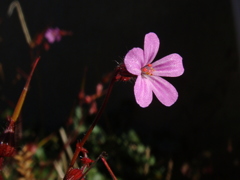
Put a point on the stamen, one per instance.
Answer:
(148, 70)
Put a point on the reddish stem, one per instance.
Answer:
(102, 157)
(82, 142)
(108, 168)
(79, 145)
(21, 99)
(120, 74)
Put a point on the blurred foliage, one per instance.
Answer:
(128, 156)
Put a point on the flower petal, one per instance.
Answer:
(143, 91)
(168, 66)
(151, 46)
(164, 91)
(133, 61)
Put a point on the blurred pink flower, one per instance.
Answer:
(53, 34)
(93, 108)
(139, 62)
(99, 89)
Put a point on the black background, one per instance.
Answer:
(206, 114)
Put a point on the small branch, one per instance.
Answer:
(64, 139)
(101, 156)
(90, 167)
(108, 167)
(16, 4)
(58, 168)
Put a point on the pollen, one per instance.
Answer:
(148, 70)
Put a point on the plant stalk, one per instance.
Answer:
(79, 145)
(21, 99)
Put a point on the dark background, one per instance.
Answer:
(206, 115)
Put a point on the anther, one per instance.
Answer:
(148, 70)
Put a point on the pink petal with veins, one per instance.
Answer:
(168, 66)
(143, 91)
(133, 61)
(164, 91)
(151, 46)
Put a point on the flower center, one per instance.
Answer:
(148, 70)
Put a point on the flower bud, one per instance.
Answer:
(74, 174)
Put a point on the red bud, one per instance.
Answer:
(74, 174)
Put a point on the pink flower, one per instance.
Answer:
(139, 62)
(53, 35)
